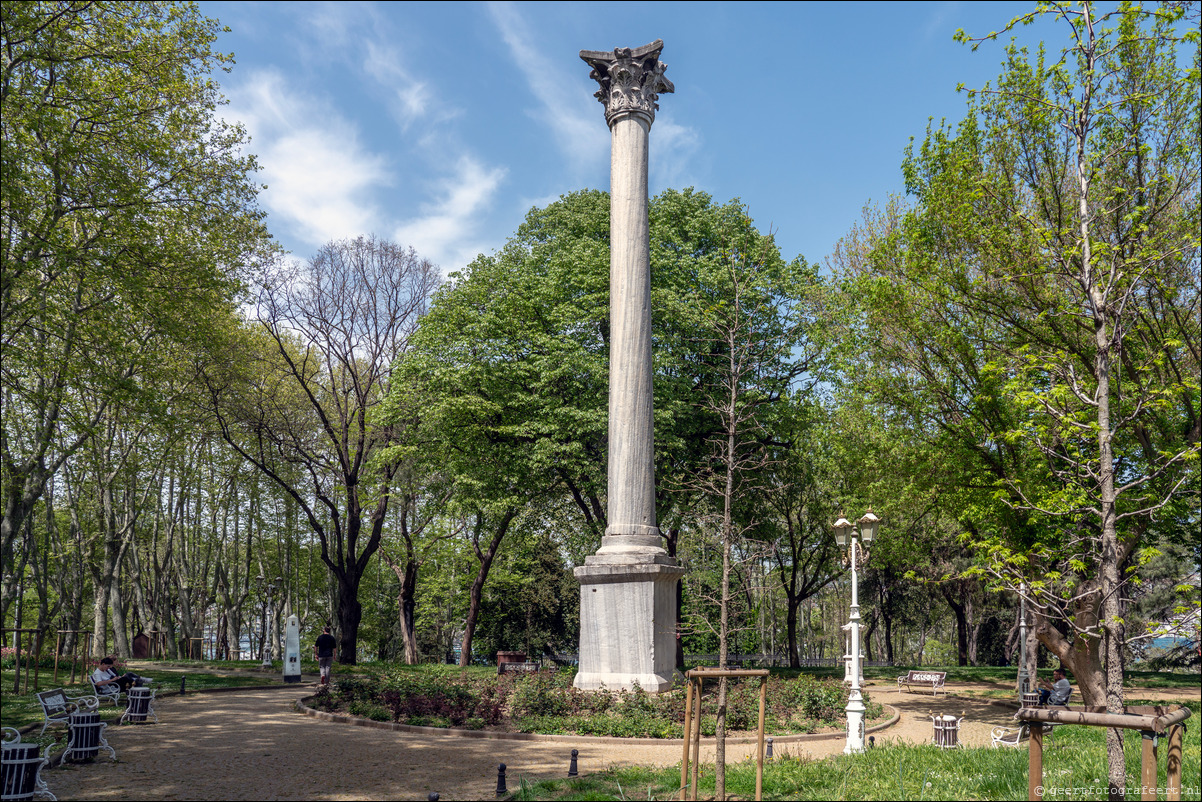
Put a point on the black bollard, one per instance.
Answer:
(501, 789)
(572, 768)
(183, 684)
(433, 797)
(871, 741)
(769, 752)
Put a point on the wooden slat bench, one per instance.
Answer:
(57, 706)
(924, 679)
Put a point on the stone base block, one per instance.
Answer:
(627, 624)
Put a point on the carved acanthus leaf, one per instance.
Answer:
(631, 80)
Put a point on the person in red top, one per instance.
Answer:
(323, 650)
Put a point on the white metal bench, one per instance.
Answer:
(57, 707)
(110, 692)
(924, 679)
(1007, 736)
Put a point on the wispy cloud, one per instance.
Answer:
(672, 149)
(384, 64)
(574, 117)
(320, 179)
(447, 233)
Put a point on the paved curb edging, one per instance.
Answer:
(452, 732)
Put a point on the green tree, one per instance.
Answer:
(127, 209)
(1041, 300)
(305, 408)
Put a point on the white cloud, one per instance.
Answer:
(320, 179)
(574, 116)
(672, 149)
(445, 233)
(411, 95)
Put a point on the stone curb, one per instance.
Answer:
(452, 732)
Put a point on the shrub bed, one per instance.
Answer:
(546, 702)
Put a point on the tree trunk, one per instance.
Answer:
(960, 609)
(407, 609)
(485, 558)
(791, 631)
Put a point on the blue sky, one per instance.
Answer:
(439, 125)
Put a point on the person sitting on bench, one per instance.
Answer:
(104, 675)
(1057, 692)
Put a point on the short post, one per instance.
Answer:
(688, 740)
(432, 797)
(769, 752)
(501, 789)
(1035, 763)
(572, 766)
(697, 736)
(1147, 775)
(759, 763)
(183, 684)
(1173, 763)
(871, 741)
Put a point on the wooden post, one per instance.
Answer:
(697, 738)
(688, 738)
(17, 660)
(37, 666)
(1173, 763)
(759, 758)
(1147, 775)
(28, 663)
(1035, 764)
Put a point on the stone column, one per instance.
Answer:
(627, 589)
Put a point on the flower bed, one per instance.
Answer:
(546, 702)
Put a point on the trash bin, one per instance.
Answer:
(138, 707)
(19, 767)
(83, 735)
(947, 731)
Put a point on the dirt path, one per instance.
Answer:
(254, 745)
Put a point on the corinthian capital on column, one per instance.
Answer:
(631, 80)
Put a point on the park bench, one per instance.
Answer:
(110, 692)
(925, 679)
(57, 707)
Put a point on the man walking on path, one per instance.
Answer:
(323, 650)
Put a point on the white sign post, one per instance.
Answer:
(292, 665)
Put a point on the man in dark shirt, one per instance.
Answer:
(323, 650)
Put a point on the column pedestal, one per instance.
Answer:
(627, 624)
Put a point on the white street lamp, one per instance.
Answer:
(848, 538)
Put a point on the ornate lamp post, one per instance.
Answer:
(269, 620)
(847, 537)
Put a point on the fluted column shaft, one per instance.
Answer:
(631, 514)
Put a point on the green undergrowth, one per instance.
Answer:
(545, 702)
(1074, 768)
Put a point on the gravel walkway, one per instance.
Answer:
(254, 745)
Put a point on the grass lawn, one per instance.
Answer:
(1074, 767)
